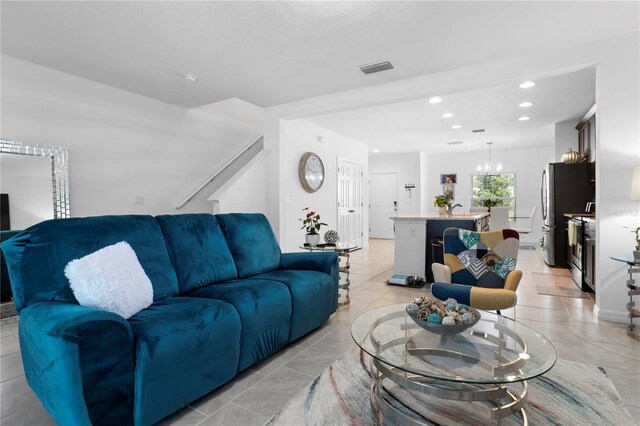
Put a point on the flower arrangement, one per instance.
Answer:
(441, 201)
(311, 222)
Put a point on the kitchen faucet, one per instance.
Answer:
(450, 208)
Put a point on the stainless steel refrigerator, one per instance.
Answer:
(566, 188)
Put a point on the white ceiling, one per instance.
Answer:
(270, 53)
(418, 126)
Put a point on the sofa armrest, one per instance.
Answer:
(320, 261)
(512, 281)
(441, 273)
(79, 361)
(326, 262)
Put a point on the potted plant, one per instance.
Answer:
(441, 202)
(488, 202)
(311, 223)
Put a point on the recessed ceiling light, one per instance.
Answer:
(523, 118)
(435, 100)
(376, 150)
(527, 84)
(192, 78)
(456, 126)
(526, 104)
(447, 115)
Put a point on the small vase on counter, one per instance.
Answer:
(442, 210)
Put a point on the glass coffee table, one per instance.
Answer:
(489, 362)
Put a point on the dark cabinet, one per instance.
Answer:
(587, 136)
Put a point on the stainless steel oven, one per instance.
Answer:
(575, 238)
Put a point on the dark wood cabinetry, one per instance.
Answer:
(587, 136)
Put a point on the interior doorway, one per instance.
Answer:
(350, 202)
(383, 201)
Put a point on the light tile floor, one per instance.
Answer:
(258, 393)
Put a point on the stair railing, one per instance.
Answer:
(213, 176)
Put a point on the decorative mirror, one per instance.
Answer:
(58, 161)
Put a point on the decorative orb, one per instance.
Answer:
(451, 301)
(452, 307)
(413, 309)
(448, 321)
(434, 318)
(331, 237)
(463, 307)
(468, 318)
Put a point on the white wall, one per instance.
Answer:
(27, 180)
(407, 166)
(527, 164)
(298, 137)
(246, 194)
(566, 136)
(123, 145)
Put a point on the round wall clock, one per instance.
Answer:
(311, 172)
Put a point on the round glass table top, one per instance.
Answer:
(336, 247)
(626, 258)
(495, 350)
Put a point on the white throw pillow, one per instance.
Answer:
(111, 279)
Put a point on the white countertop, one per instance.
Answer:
(436, 216)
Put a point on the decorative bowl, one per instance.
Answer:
(446, 330)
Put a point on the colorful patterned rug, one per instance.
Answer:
(569, 394)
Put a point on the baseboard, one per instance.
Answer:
(613, 316)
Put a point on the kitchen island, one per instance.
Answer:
(414, 235)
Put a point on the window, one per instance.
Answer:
(500, 188)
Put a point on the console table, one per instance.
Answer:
(634, 290)
(344, 250)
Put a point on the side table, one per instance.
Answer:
(344, 252)
(634, 290)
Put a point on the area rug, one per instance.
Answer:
(564, 287)
(569, 394)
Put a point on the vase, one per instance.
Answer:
(636, 256)
(312, 239)
(442, 210)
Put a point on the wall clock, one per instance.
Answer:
(311, 172)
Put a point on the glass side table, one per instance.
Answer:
(634, 290)
(344, 252)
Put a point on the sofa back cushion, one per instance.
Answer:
(37, 256)
(252, 243)
(198, 250)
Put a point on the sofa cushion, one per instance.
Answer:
(36, 257)
(250, 238)
(184, 348)
(312, 297)
(198, 250)
(265, 312)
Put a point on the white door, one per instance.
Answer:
(350, 202)
(383, 201)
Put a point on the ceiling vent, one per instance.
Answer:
(478, 131)
(454, 143)
(377, 67)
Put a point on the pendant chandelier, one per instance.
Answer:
(488, 169)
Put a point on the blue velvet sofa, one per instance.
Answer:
(225, 297)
